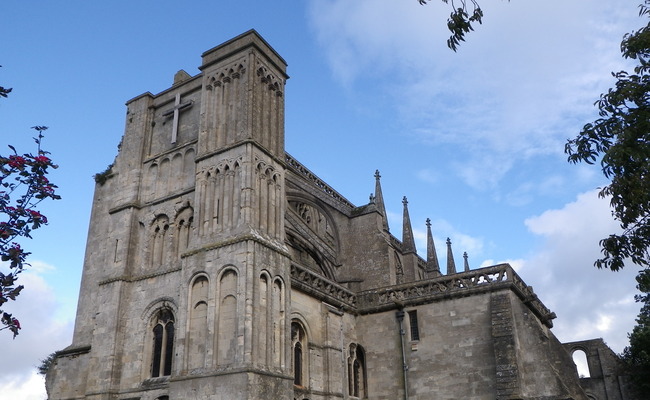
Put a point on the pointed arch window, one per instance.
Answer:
(298, 346)
(357, 386)
(163, 344)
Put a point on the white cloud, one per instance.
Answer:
(40, 267)
(42, 333)
(514, 91)
(363, 38)
(461, 243)
(19, 387)
(576, 220)
(589, 302)
(515, 264)
(428, 175)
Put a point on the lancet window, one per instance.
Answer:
(278, 323)
(183, 230)
(163, 344)
(159, 241)
(299, 351)
(357, 386)
(413, 321)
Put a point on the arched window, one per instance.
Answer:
(580, 359)
(299, 346)
(184, 221)
(297, 364)
(159, 237)
(357, 372)
(163, 344)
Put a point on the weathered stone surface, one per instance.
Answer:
(219, 267)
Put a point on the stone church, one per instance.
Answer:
(219, 267)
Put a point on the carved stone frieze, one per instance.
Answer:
(223, 166)
(266, 170)
(227, 74)
(314, 284)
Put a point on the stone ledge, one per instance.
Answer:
(73, 351)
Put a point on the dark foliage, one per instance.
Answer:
(46, 363)
(460, 20)
(637, 355)
(620, 141)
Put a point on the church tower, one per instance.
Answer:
(188, 225)
(238, 247)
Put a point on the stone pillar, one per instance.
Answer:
(507, 372)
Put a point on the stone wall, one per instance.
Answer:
(606, 379)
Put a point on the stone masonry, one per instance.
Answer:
(219, 267)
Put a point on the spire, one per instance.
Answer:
(433, 267)
(451, 265)
(407, 230)
(466, 262)
(379, 200)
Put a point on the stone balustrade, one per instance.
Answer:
(318, 286)
(497, 277)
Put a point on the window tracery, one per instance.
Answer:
(163, 344)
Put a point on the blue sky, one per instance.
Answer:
(474, 139)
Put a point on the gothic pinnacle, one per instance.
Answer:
(451, 265)
(407, 230)
(379, 201)
(466, 263)
(433, 267)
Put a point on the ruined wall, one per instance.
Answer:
(606, 379)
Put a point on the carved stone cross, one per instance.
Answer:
(178, 106)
